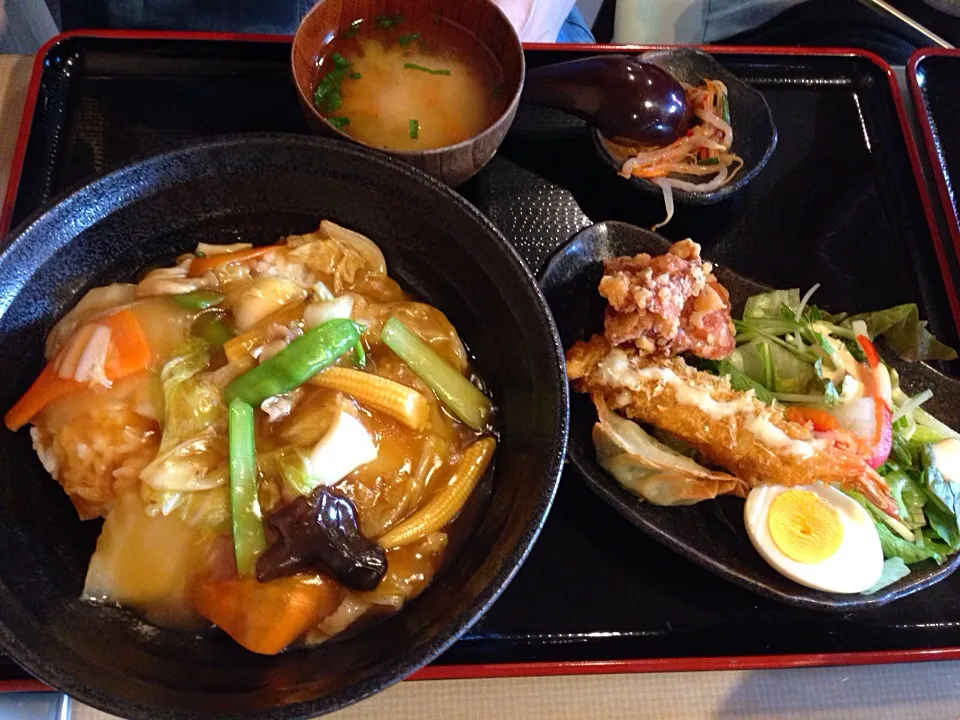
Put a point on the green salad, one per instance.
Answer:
(826, 369)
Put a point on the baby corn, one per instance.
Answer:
(387, 396)
(445, 505)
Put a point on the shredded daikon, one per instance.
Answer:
(667, 201)
(804, 300)
(912, 404)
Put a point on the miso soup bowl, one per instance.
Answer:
(453, 164)
(258, 188)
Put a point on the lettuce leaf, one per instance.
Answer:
(905, 333)
(893, 569)
(767, 305)
(944, 494)
(791, 374)
(944, 525)
(895, 546)
(910, 498)
(738, 379)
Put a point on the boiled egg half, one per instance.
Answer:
(816, 536)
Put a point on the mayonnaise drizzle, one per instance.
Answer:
(615, 370)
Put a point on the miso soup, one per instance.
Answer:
(409, 84)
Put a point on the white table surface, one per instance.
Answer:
(917, 691)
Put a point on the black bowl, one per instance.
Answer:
(257, 188)
(711, 534)
(754, 133)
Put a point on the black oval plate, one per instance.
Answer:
(257, 188)
(754, 133)
(711, 534)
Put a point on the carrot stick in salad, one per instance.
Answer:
(821, 420)
(201, 265)
(129, 353)
(869, 350)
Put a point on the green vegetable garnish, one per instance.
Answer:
(408, 38)
(339, 122)
(461, 396)
(769, 372)
(385, 22)
(198, 299)
(708, 161)
(830, 395)
(297, 363)
(332, 101)
(414, 129)
(249, 539)
(354, 28)
(725, 108)
(326, 97)
(211, 328)
(355, 76)
(359, 355)
(421, 68)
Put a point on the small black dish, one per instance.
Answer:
(256, 188)
(710, 534)
(754, 132)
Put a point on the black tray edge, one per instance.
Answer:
(932, 144)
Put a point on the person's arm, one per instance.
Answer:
(537, 20)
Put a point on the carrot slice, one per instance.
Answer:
(266, 617)
(201, 265)
(821, 420)
(49, 386)
(651, 172)
(129, 353)
(869, 350)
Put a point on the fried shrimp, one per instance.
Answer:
(733, 429)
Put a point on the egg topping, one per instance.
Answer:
(804, 527)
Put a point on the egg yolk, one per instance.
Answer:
(804, 527)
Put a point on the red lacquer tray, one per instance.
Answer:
(840, 202)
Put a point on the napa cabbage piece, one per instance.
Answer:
(190, 403)
(98, 302)
(651, 470)
(193, 453)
